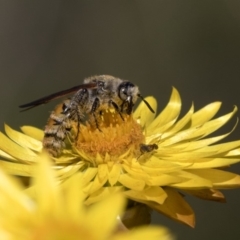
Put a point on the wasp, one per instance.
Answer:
(89, 99)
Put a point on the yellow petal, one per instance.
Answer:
(154, 177)
(180, 124)
(192, 181)
(207, 194)
(67, 171)
(99, 181)
(233, 153)
(199, 131)
(74, 197)
(13, 149)
(213, 163)
(178, 137)
(102, 172)
(49, 200)
(17, 168)
(23, 140)
(114, 174)
(209, 151)
(205, 114)
(154, 165)
(131, 182)
(88, 175)
(214, 124)
(137, 173)
(144, 114)
(163, 180)
(102, 194)
(155, 194)
(199, 144)
(102, 218)
(220, 179)
(33, 132)
(170, 113)
(222, 148)
(9, 189)
(66, 158)
(7, 156)
(175, 207)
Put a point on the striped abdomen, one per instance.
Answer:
(58, 127)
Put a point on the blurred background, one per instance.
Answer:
(47, 46)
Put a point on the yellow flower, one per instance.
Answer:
(150, 159)
(59, 213)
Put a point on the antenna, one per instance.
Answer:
(148, 105)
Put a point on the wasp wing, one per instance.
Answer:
(56, 95)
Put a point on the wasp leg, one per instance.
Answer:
(116, 108)
(95, 106)
(79, 119)
(130, 105)
(127, 106)
(76, 106)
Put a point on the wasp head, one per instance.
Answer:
(128, 93)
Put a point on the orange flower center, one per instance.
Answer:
(111, 134)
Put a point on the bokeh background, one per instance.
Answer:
(47, 46)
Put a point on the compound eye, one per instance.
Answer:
(125, 90)
(123, 93)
